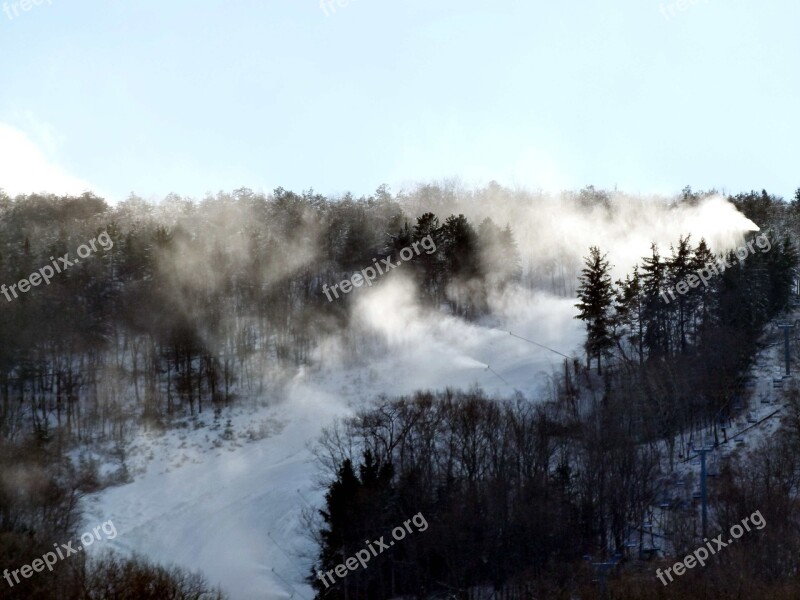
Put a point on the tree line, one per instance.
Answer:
(521, 498)
(681, 358)
(200, 303)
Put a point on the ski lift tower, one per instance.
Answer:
(601, 570)
(787, 351)
(702, 451)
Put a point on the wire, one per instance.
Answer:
(738, 433)
(305, 500)
(291, 587)
(535, 343)
(274, 541)
(500, 378)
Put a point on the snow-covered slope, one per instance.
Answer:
(227, 497)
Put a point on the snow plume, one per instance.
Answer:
(410, 347)
(257, 243)
(221, 245)
(554, 231)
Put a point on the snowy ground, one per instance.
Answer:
(228, 499)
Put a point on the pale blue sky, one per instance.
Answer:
(159, 96)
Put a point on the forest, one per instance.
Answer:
(522, 497)
(197, 306)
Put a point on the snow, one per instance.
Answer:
(231, 504)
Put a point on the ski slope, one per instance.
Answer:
(230, 503)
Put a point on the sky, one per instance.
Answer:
(150, 98)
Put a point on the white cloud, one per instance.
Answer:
(25, 168)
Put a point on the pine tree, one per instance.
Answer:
(402, 239)
(460, 248)
(679, 267)
(513, 261)
(704, 298)
(629, 309)
(431, 265)
(656, 311)
(596, 294)
(337, 538)
(357, 508)
(781, 263)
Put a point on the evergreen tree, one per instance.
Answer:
(513, 260)
(704, 298)
(679, 267)
(337, 538)
(462, 254)
(629, 311)
(461, 247)
(357, 508)
(656, 305)
(781, 262)
(402, 239)
(596, 294)
(431, 265)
